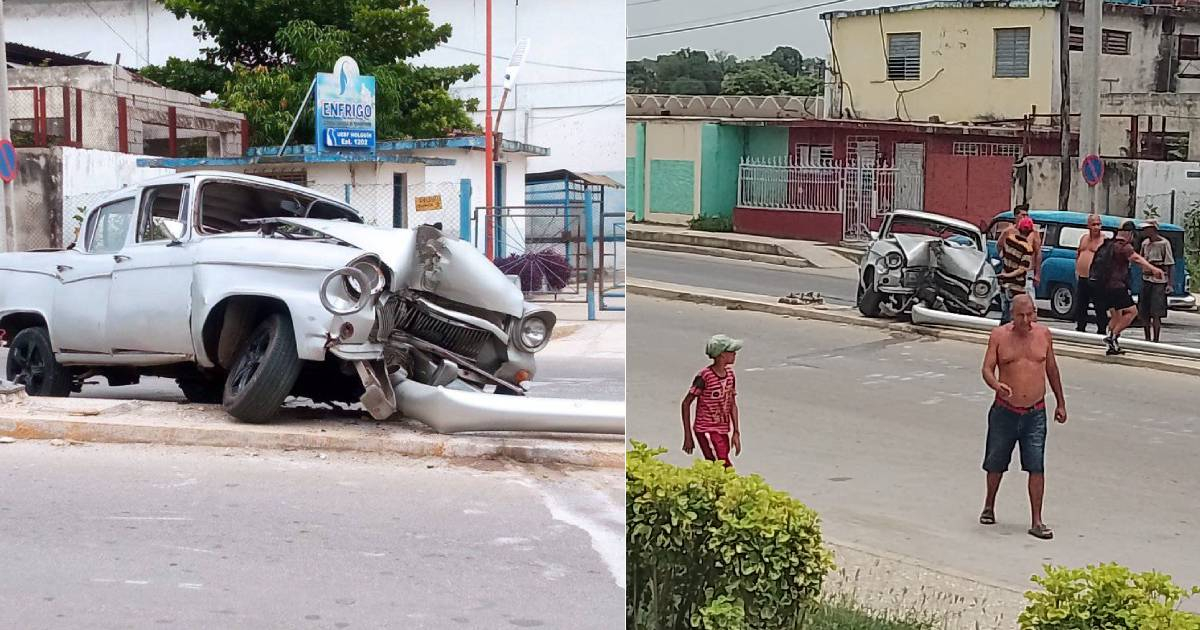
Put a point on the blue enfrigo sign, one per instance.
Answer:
(345, 108)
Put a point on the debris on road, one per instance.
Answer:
(806, 298)
(7, 440)
(58, 442)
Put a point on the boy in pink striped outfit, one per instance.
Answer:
(714, 390)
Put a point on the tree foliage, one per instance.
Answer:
(783, 72)
(266, 53)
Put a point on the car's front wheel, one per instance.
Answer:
(31, 363)
(1062, 301)
(264, 372)
(868, 299)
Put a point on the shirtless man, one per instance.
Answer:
(1024, 352)
(1085, 294)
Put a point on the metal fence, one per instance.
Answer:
(544, 244)
(1170, 207)
(390, 205)
(860, 192)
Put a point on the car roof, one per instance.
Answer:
(932, 216)
(1080, 218)
(185, 177)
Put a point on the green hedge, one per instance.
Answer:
(1109, 597)
(710, 549)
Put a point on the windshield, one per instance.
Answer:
(920, 227)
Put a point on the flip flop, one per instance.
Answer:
(987, 517)
(1042, 532)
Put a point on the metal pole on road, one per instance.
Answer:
(1089, 123)
(6, 190)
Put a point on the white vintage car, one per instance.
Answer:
(247, 290)
(921, 257)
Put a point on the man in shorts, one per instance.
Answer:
(714, 390)
(1152, 301)
(1116, 295)
(1023, 353)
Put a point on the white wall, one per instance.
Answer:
(87, 174)
(151, 33)
(1155, 182)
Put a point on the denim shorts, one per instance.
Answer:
(1008, 428)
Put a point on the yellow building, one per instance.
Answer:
(951, 61)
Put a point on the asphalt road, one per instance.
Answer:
(836, 285)
(107, 536)
(884, 436)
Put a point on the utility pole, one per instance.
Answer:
(1089, 119)
(6, 190)
(488, 151)
(1065, 166)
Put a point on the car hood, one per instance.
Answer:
(963, 261)
(425, 259)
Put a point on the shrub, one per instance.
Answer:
(707, 548)
(539, 271)
(711, 224)
(1107, 596)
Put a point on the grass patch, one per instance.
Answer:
(842, 614)
(711, 224)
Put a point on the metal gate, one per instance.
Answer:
(910, 175)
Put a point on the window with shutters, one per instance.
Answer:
(1076, 39)
(1114, 42)
(904, 57)
(1012, 52)
(1189, 47)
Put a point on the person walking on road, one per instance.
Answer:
(1023, 354)
(1152, 301)
(714, 390)
(1110, 269)
(1017, 259)
(1088, 294)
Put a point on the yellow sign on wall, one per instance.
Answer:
(432, 202)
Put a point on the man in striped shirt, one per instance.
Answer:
(714, 390)
(1017, 258)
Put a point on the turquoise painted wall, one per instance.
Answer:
(673, 186)
(635, 168)
(766, 141)
(720, 154)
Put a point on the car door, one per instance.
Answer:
(149, 303)
(79, 321)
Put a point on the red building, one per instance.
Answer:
(842, 174)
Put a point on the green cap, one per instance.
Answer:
(722, 343)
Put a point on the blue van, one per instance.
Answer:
(1061, 232)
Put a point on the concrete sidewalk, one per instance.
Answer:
(789, 252)
(300, 428)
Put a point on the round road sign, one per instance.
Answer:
(8, 161)
(1093, 170)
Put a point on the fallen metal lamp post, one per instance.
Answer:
(928, 316)
(456, 411)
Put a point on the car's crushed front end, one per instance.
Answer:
(940, 273)
(421, 306)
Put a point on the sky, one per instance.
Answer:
(803, 30)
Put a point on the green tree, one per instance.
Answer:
(688, 72)
(763, 78)
(788, 59)
(270, 50)
(640, 77)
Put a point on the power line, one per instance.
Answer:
(536, 63)
(583, 113)
(119, 36)
(761, 16)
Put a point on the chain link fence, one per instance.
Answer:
(388, 205)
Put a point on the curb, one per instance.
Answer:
(721, 252)
(566, 330)
(697, 240)
(415, 445)
(846, 315)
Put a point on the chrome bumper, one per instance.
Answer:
(455, 411)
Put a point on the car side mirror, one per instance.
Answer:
(874, 235)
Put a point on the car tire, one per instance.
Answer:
(31, 363)
(1062, 301)
(868, 299)
(201, 390)
(264, 372)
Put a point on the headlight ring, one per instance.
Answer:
(893, 260)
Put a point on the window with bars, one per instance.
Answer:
(1114, 42)
(1076, 38)
(1189, 47)
(1012, 52)
(987, 148)
(1170, 145)
(904, 57)
(816, 154)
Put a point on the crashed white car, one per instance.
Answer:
(248, 290)
(934, 260)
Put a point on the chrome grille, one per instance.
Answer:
(463, 339)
